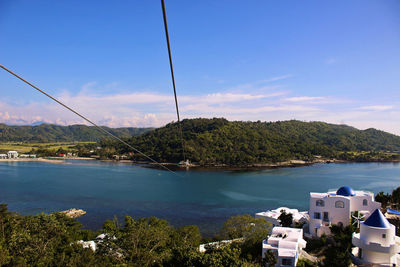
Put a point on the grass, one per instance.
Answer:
(26, 147)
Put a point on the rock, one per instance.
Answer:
(73, 213)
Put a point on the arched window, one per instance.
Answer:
(339, 204)
(320, 203)
(365, 202)
(340, 224)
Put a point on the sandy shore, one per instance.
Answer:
(61, 160)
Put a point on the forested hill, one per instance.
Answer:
(46, 133)
(216, 141)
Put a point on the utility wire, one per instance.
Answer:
(172, 75)
(86, 119)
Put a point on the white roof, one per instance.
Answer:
(277, 212)
(333, 194)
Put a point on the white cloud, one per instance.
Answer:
(278, 78)
(377, 107)
(145, 109)
(305, 99)
(331, 61)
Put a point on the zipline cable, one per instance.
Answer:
(172, 75)
(86, 119)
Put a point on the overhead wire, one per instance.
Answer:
(89, 121)
(172, 76)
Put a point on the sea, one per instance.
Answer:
(206, 198)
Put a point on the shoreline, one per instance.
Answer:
(46, 159)
(175, 166)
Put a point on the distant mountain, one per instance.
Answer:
(219, 141)
(45, 133)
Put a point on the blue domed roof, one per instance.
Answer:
(345, 191)
(377, 219)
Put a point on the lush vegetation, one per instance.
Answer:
(334, 250)
(43, 149)
(219, 141)
(51, 240)
(46, 133)
(389, 200)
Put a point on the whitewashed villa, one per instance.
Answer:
(286, 243)
(338, 207)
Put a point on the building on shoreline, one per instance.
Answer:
(286, 243)
(377, 243)
(3, 156)
(28, 156)
(338, 208)
(12, 154)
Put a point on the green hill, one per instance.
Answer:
(46, 133)
(219, 141)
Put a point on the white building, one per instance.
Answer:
(337, 208)
(29, 156)
(12, 154)
(286, 243)
(272, 216)
(377, 242)
(3, 156)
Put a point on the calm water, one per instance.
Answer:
(204, 198)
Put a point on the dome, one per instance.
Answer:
(377, 219)
(346, 191)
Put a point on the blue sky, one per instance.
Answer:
(333, 61)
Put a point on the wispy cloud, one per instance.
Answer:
(305, 99)
(331, 61)
(377, 107)
(143, 109)
(278, 78)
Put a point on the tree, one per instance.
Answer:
(286, 219)
(338, 253)
(383, 198)
(252, 230)
(269, 258)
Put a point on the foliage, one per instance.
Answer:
(338, 252)
(315, 245)
(252, 230)
(286, 219)
(389, 200)
(51, 240)
(219, 141)
(46, 133)
(270, 258)
(306, 263)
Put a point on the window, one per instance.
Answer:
(320, 203)
(317, 215)
(365, 202)
(326, 216)
(340, 224)
(287, 262)
(339, 204)
(383, 235)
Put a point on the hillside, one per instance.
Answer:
(45, 133)
(219, 141)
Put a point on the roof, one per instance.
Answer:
(377, 219)
(345, 191)
(297, 216)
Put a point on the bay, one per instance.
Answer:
(202, 197)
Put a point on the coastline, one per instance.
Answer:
(194, 166)
(47, 159)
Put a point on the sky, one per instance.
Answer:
(332, 61)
